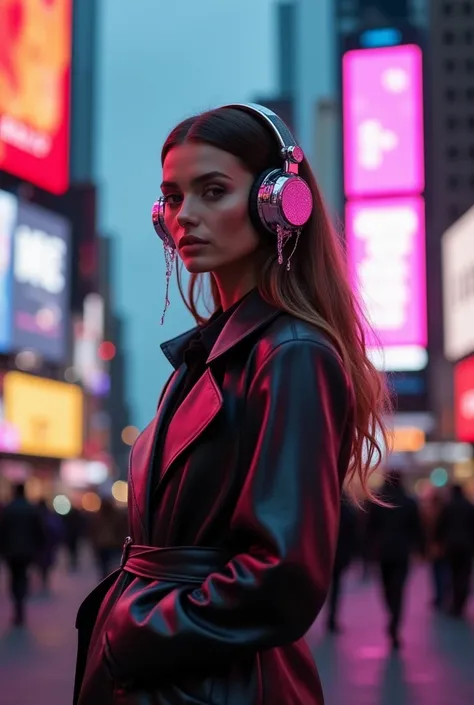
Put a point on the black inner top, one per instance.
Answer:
(195, 357)
(198, 351)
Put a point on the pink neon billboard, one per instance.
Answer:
(386, 260)
(383, 121)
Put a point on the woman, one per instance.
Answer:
(272, 405)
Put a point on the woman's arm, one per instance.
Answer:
(297, 411)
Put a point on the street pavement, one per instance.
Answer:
(434, 667)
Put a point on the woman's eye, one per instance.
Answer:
(173, 199)
(213, 192)
(210, 193)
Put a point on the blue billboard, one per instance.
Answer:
(8, 213)
(34, 288)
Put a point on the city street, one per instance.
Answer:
(435, 666)
(294, 215)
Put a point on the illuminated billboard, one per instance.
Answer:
(35, 68)
(383, 121)
(386, 259)
(464, 400)
(47, 416)
(35, 248)
(8, 214)
(41, 254)
(458, 287)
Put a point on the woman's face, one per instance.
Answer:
(206, 211)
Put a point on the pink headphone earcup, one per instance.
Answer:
(291, 201)
(296, 202)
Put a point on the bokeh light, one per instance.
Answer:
(439, 477)
(91, 502)
(26, 360)
(61, 504)
(130, 435)
(107, 350)
(120, 491)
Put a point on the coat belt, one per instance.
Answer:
(183, 564)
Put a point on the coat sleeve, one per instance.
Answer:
(296, 419)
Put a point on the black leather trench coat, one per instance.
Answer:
(245, 520)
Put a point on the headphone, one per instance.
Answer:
(279, 200)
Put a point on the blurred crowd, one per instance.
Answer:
(388, 538)
(384, 539)
(31, 536)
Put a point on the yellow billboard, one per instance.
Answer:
(47, 415)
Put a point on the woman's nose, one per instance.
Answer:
(187, 213)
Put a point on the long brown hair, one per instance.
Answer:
(317, 290)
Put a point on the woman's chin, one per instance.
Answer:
(198, 265)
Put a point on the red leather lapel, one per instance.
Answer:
(191, 418)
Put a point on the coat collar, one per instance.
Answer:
(252, 314)
(194, 414)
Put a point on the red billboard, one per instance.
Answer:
(464, 399)
(35, 70)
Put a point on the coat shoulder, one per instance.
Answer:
(286, 329)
